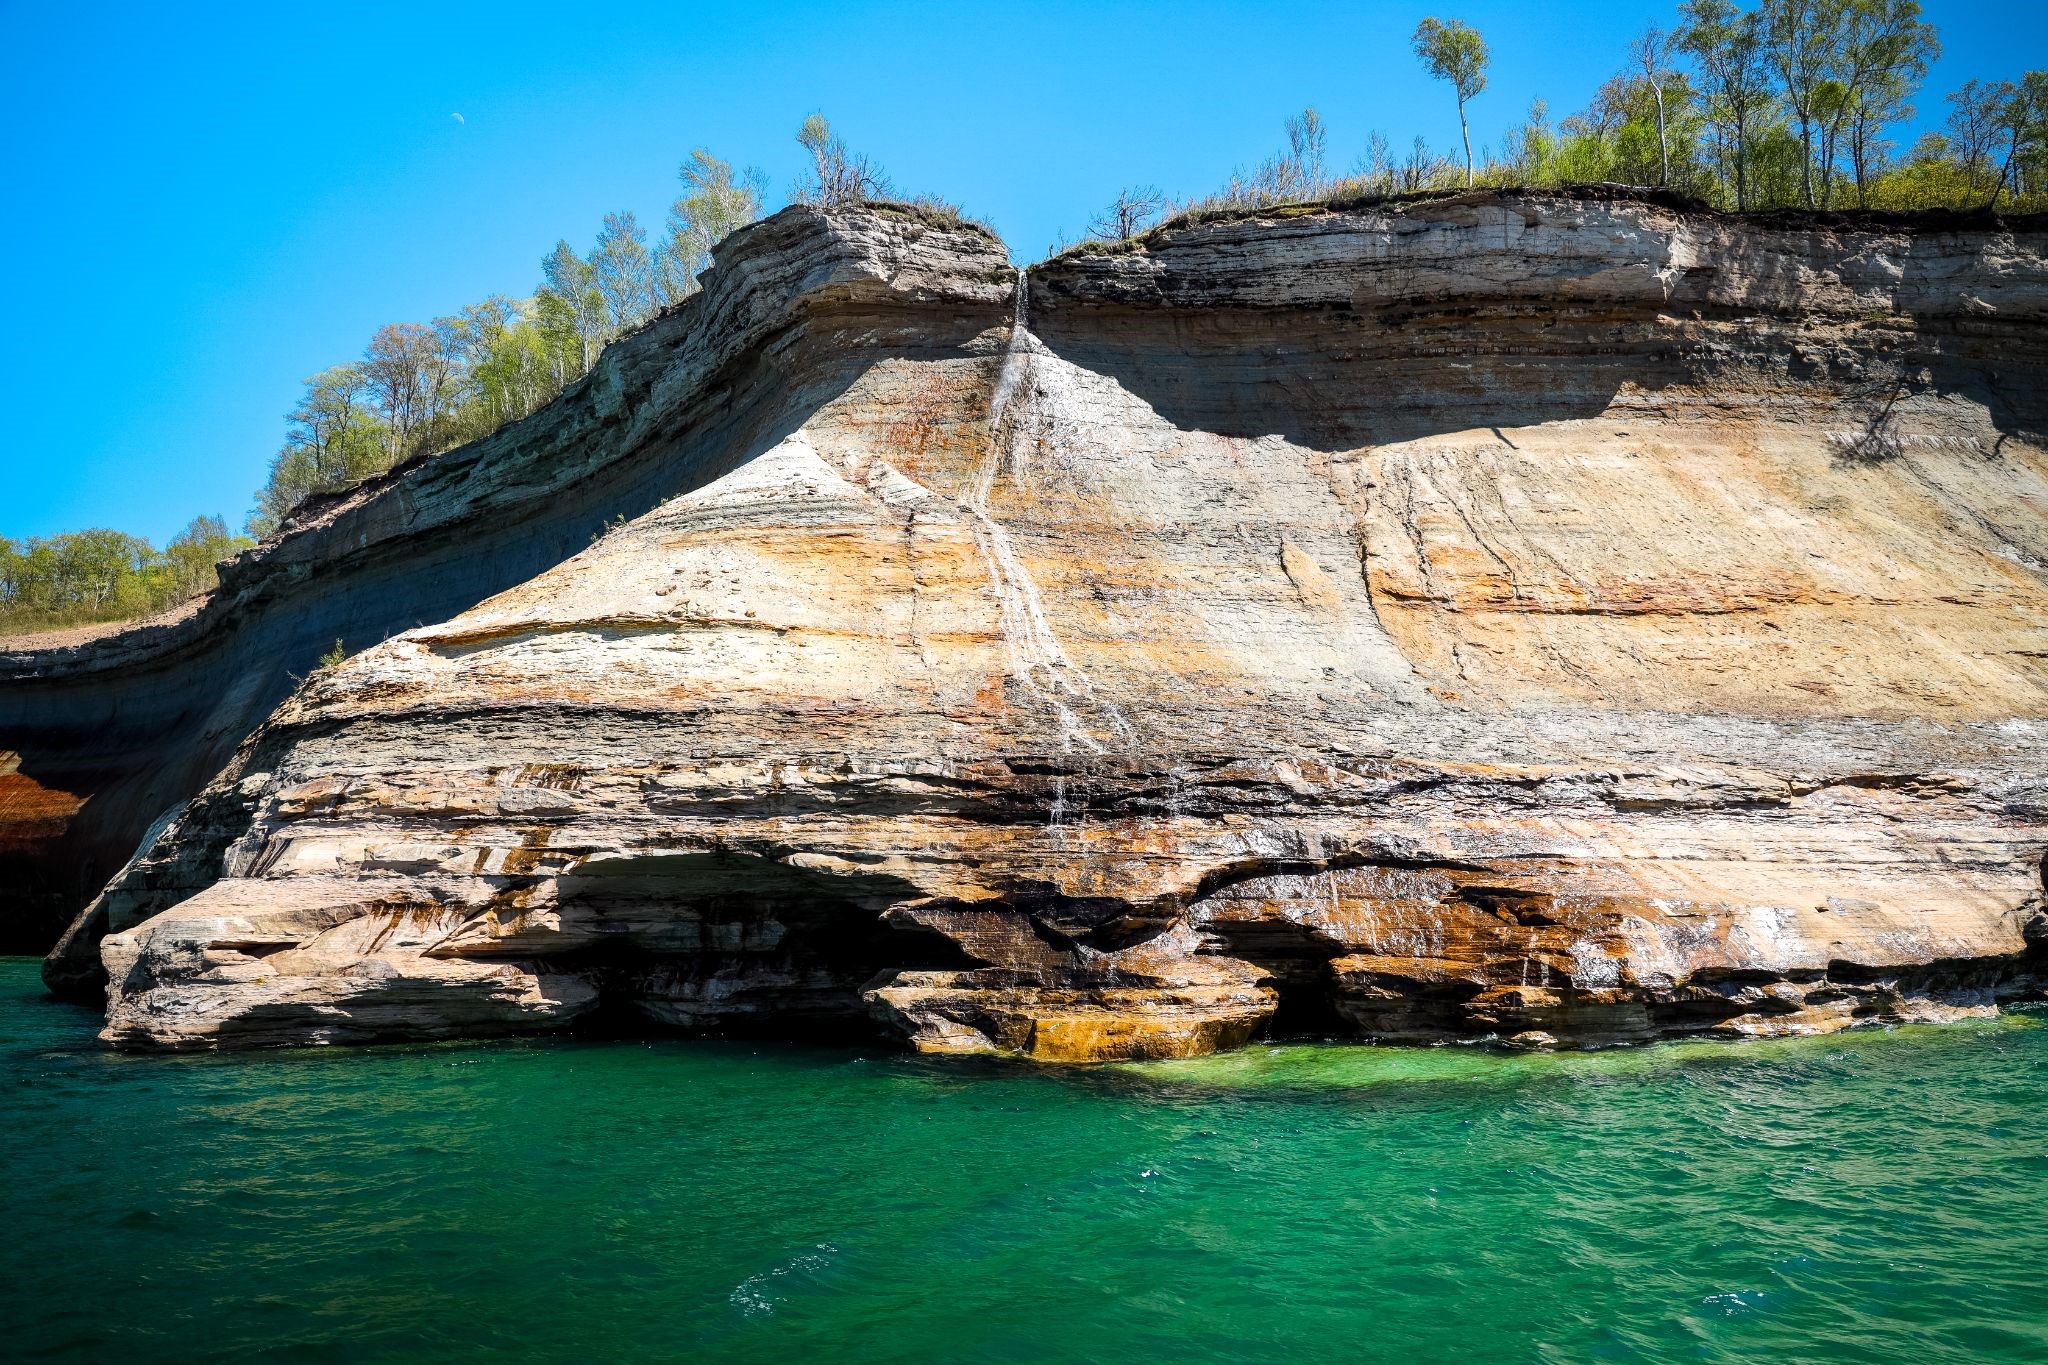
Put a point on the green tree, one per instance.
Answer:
(469, 337)
(839, 178)
(189, 563)
(1727, 45)
(1886, 48)
(410, 378)
(1931, 176)
(333, 439)
(103, 570)
(714, 204)
(506, 369)
(105, 575)
(1456, 53)
(1638, 129)
(2022, 118)
(1528, 152)
(570, 308)
(622, 273)
(1844, 65)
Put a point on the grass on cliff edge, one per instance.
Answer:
(1352, 196)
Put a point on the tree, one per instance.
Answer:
(1973, 121)
(189, 564)
(839, 179)
(101, 569)
(1307, 138)
(408, 375)
(1637, 129)
(2023, 118)
(570, 307)
(1422, 169)
(714, 205)
(1129, 213)
(501, 365)
(1727, 44)
(76, 575)
(335, 424)
(1650, 52)
(1376, 164)
(1300, 172)
(1885, 51)
(1456, 53)
(333, 439)
(1526, 151)
(104, 575)
(1881, 103)
(622, 273)
(1806, 41)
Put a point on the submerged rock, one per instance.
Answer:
(1561, 619)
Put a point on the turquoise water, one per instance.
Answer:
(1875, 1196)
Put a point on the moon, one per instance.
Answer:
(459, 119)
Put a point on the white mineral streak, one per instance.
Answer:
(1037, 659)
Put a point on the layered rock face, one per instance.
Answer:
(118, 731)
(1558, 619)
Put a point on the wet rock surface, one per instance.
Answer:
(1563, 620)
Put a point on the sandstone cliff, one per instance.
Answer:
(1565, 619)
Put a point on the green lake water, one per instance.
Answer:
(1871, 1196)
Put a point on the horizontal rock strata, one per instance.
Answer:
(135, 723)
(1558, 619)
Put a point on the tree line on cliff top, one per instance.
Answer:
(422, 387)
(102, 575)
(1790, 104)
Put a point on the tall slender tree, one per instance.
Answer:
(1885, 49)
(408, 375)
(570, 306)
(1308, 138)
(1727, 44)
(623, 274)
(1456, 53)
(2023, 120)
(1804, 41)
(1650, 53)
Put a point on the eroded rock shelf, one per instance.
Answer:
(1562, 619)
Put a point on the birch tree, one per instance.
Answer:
(1650, 53)
(1456, 53)
(1727, 44)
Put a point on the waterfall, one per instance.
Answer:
(1036, 657)
(1016, 359)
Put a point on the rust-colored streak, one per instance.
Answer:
(31, 815)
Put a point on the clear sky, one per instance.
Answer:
(204, 204)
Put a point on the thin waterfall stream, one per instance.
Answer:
(1037, 659)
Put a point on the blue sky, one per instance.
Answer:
(205, 204)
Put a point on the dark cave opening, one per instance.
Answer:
(1297, 963)
(729, 945)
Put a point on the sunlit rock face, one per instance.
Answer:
(1563, 620)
